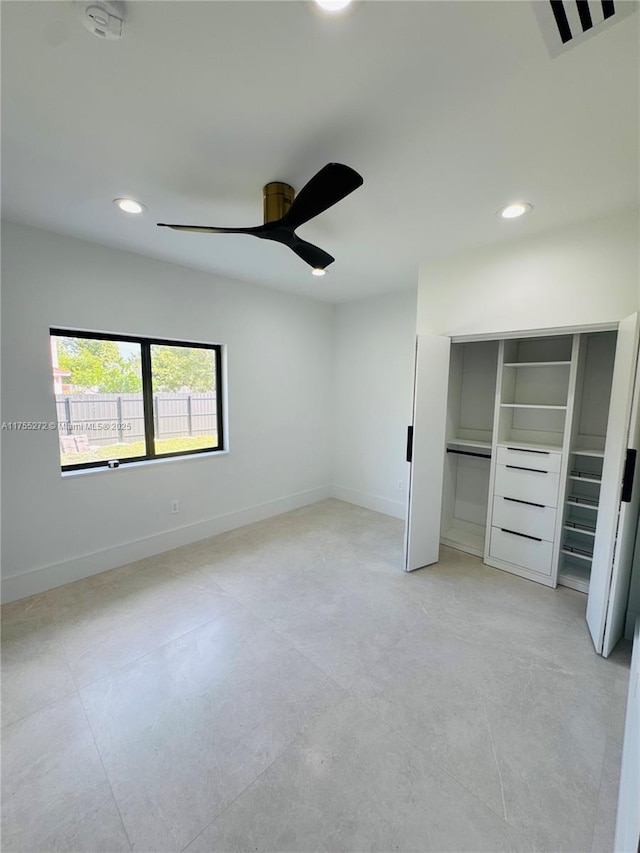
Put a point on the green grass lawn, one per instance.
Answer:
(137, 448)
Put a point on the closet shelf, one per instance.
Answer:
(536, 364)
(531, 406)
(588, 452)
(583, 503)
(469, 442)
(572, 553)
(577, 527)
(584, 478)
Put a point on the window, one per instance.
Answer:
(124, 399)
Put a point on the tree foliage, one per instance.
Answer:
(183, 369)
(99, 366)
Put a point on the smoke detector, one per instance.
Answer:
(103, 18)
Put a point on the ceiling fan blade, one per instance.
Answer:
(315, 257)
(210, 230)
(331, 184)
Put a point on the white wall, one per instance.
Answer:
(57, 529)
(374, 350)
(583, 274)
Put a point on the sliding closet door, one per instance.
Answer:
(617, 518)
(431, 381)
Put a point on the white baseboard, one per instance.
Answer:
(57, 574)
(397, 509)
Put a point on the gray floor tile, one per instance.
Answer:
(185, 729)
(35, 672)
(524, 734)
(351, 783)
(55, 795)
(108, 620)
(354, 619)
(605, 819)
(286, 686)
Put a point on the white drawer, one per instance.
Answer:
(532, 554)
(546, 461)
(534, 519)
(533, 485)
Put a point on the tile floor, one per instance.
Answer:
(286, 687)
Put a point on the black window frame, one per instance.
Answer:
(147, 395)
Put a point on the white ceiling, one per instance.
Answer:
(448, 109)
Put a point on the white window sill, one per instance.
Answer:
(144, 463)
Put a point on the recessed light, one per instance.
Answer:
(129, 205)
(318, 271)
(333, 5)
(517, 208)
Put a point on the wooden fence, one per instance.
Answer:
(119, 418)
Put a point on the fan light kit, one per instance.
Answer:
(516, 209)
(284, 211)
(333, 5)
(129, 205)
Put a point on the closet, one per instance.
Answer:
(519, 452)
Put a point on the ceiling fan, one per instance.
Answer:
(284, 211)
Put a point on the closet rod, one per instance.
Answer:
(468, 453)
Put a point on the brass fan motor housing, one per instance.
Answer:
(277, 198)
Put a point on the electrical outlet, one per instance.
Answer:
(175, 506)
(401, 485)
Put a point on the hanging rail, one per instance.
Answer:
(469, 453)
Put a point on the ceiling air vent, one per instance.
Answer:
(565, 23)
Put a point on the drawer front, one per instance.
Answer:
(528, 553)
(529, 458)
(535, 486)
(536, 520)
